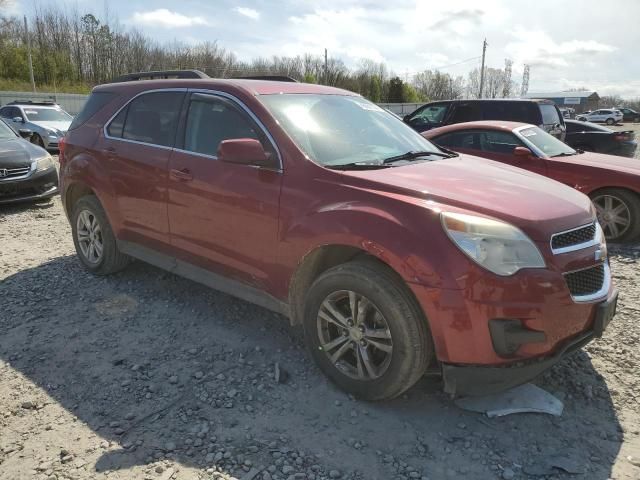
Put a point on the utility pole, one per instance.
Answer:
(484, 51)
(28, 39)
(525, 81)
(326, 68)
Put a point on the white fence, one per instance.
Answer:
(73, 102)
(70, 102)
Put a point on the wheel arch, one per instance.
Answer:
(318, 261)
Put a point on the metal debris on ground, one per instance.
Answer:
(526, 398)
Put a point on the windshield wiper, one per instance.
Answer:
(564, 154)
(357, 166)
(412, 155)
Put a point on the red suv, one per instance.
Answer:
(393, 254)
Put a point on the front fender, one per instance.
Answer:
(407, 242)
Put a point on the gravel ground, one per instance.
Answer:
(144, 375)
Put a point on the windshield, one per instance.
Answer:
(338, 130)
(5, 132)
(46, 115)
(548, 144)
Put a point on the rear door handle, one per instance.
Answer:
(183, 175)
(109, 151)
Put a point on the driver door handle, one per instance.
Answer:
(184, 175)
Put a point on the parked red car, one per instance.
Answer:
(311, 201)
(612, 182)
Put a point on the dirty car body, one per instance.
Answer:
(319, 206)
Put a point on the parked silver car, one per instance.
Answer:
(48, 122)
(609, 116)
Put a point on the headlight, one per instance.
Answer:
(41, 164)
(497, 246)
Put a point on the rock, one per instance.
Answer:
(280, 375)
(173, 379)
(198, 375)
(334, 474)
(634, 460)
(508, 474)
(169, 446)
(28, 405)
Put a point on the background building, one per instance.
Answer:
(579, 101)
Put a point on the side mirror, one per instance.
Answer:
(522, 152)
(18, 119)
(405, 119)
(25, 133)
(243, 151)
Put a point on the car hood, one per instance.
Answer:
(61, 126)
(603, 161)
(18, 153)
(536, 204)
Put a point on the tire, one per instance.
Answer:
(636, 120)
(631, 210)
(386, 302)
(610, 121)
(110, 260)
(37, 140)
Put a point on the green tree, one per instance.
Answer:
(375, 89)
(309, 78)
(395, 93)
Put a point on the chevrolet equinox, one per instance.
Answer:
(395, 256)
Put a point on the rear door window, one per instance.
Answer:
(525, 112)
(549, 114)
(153, 118)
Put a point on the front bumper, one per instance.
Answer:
(37, 186)
(484, 380)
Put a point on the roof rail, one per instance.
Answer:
(160, 74)
(32, 102)
(273, 78)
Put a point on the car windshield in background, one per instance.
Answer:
(338, 130)
(5, 132)
(549, 144)
(549, 114)
(46, 115)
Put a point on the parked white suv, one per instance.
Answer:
(609, 116)
(46, 120)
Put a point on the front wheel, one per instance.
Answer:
(366, 331)
(93, 238)
(618, 213)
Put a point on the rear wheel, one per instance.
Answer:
(618, 213)
(93, 238)
(366, 331)
(610, 121)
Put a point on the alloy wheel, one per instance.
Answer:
(613, 214)
(354, 335)
(90, 236)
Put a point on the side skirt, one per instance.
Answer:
(200, 275)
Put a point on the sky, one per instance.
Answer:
(568, 44)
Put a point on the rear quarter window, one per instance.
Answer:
(93, 105)
(549, 114)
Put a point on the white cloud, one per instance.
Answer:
(538, 48)
(162, 17)
(248, 12)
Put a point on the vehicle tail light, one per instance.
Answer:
(623, 136)
(61, 145)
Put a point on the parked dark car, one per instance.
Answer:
(613, 183)
(629, 115)
(597, 138)
(393, 254)
(543, 113)
(27, 171)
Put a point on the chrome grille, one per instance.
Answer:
(574, 239)
(588, 281)
(11, 173)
